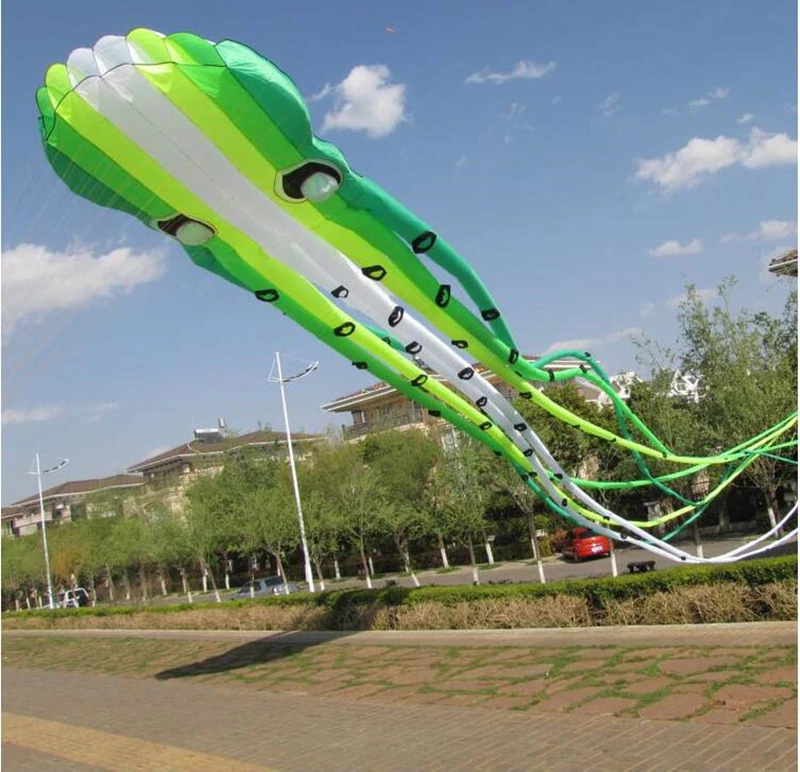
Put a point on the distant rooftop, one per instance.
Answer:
(205, 447)
(784, 264)
(78, 487)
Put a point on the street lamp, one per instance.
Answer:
(39, 472)
(281, 380)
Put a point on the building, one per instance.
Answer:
(164, 476)
(380, 406)
(168, 474)
(65, 503)
(784, 264)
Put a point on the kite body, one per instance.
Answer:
(212, 145)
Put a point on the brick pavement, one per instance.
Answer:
(296, 733)
(398, 730)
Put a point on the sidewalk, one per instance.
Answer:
(121, 724)
(684, 698)
(732, 634)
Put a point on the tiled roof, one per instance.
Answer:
(74, 487)
(201, 448)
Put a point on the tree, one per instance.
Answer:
(268, 522)
(460, 491)
(403, 461)
(748, 363)
(22, 567)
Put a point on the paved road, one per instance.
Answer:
(78, 722)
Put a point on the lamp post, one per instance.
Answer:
(39, 472)
(281, 380)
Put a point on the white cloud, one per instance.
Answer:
(96, 412)
(610, 105)
(35, 415)
(37, 281)
(523, 70)
(556, 99)
(669, 111)
(772, 230)
(768, 230)
(702, 157)
(461, 163)
(712, 96)
(648, 309)
(325, 91)
(766, 149)
(516, 109)
(585, 343)
(366, 101)
(703, 294)
(672, 248)
(745, 118)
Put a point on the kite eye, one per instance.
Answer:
(190, 233)
(319, 186)
(312, 181)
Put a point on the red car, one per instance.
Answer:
(581, 543)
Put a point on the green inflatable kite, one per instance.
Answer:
(212, 145)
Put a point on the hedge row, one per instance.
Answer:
(597, 592)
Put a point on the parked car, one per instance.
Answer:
(581, 543)
(267, 585)
(77, 598)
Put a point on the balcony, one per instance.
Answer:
(413, 414)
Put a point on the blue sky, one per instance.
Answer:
(588, 158)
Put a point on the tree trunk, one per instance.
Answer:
(28, 601)
(773, 508)
(535, 547)
(279, 565)
(204, 572)
(110, 583)
(126, 581)
(143, 580)
(613, 556)
(16, 604)
(337, 573)
(187, 591)
(93, 589)
(207, 571)
(163, 581)
(475, 577)
(443, 551)
(488, 546)
(320, 577)
(365, 565)
(227, 572)
(371, 566)
(698, 544)
(403, 550)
